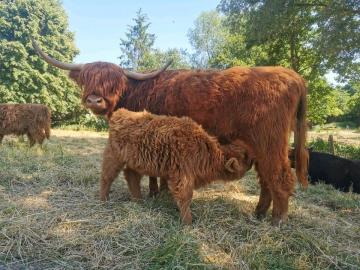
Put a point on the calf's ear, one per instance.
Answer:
(232, 165)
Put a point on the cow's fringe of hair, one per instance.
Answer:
(101, 78)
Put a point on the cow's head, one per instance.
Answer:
(102, 83)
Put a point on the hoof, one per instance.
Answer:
(260, 215)
(277, 222)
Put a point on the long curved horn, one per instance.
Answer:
(142, 77)
(53, 61)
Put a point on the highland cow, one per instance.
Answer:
(176, 149)
(258, 105)
(30, 119)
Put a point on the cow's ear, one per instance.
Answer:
(74, 75)
(232, 165)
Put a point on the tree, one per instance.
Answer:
(323, 102)
(300, 32)
(206, 37)
(138, 43)
(24, 77)
(156, 58)
(338, 21)
(138, 52)
(296, 34)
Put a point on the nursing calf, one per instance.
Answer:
(31, 119)
(176, 149)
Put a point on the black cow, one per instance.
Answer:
(339, 172)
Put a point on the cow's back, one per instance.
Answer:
(234, 103)
(330, 169)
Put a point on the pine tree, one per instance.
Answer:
(138, 43)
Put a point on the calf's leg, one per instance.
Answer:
(1, 138)
(153, 186)
(181, 189)
(111, 167)
(133, 180)
(163, 184)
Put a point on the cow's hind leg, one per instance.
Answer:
(182, 191)
(264, 199)
(31, 138)
(277, 185)
(282, 188)
(133, 180)
(110, 170)
(1, 138)
(40, 137)
(153, 187)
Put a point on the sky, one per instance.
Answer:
(99, 24)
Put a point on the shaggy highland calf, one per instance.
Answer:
(31, 119)
(339, 172)
(176, 149)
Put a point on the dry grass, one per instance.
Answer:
(349, 136)
(51, 218)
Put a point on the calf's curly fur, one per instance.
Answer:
(176, 149)
(31, 119)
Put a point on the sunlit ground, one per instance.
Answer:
(50, 217)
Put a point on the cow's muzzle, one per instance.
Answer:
(97, 104)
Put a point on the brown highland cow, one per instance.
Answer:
(31, 119)
(176, 149)
(258, 105)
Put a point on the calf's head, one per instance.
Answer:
(102, 83)
(239, 159)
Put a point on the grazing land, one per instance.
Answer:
(51, 217)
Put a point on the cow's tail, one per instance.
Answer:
(301, 154)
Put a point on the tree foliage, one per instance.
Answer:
(156, 58)
(138, 43)
(24, 77)
(207, 37)
(138, 50)
(311, 37)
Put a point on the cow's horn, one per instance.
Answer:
(53, 61)
(142, 77)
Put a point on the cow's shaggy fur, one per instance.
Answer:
(176, 149)
(31, 119)
(259, 105)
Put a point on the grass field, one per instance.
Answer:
(51, 218)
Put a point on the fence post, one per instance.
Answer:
(331, 144)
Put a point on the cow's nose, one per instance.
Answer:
(94, 100)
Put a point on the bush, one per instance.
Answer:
(341, 149)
